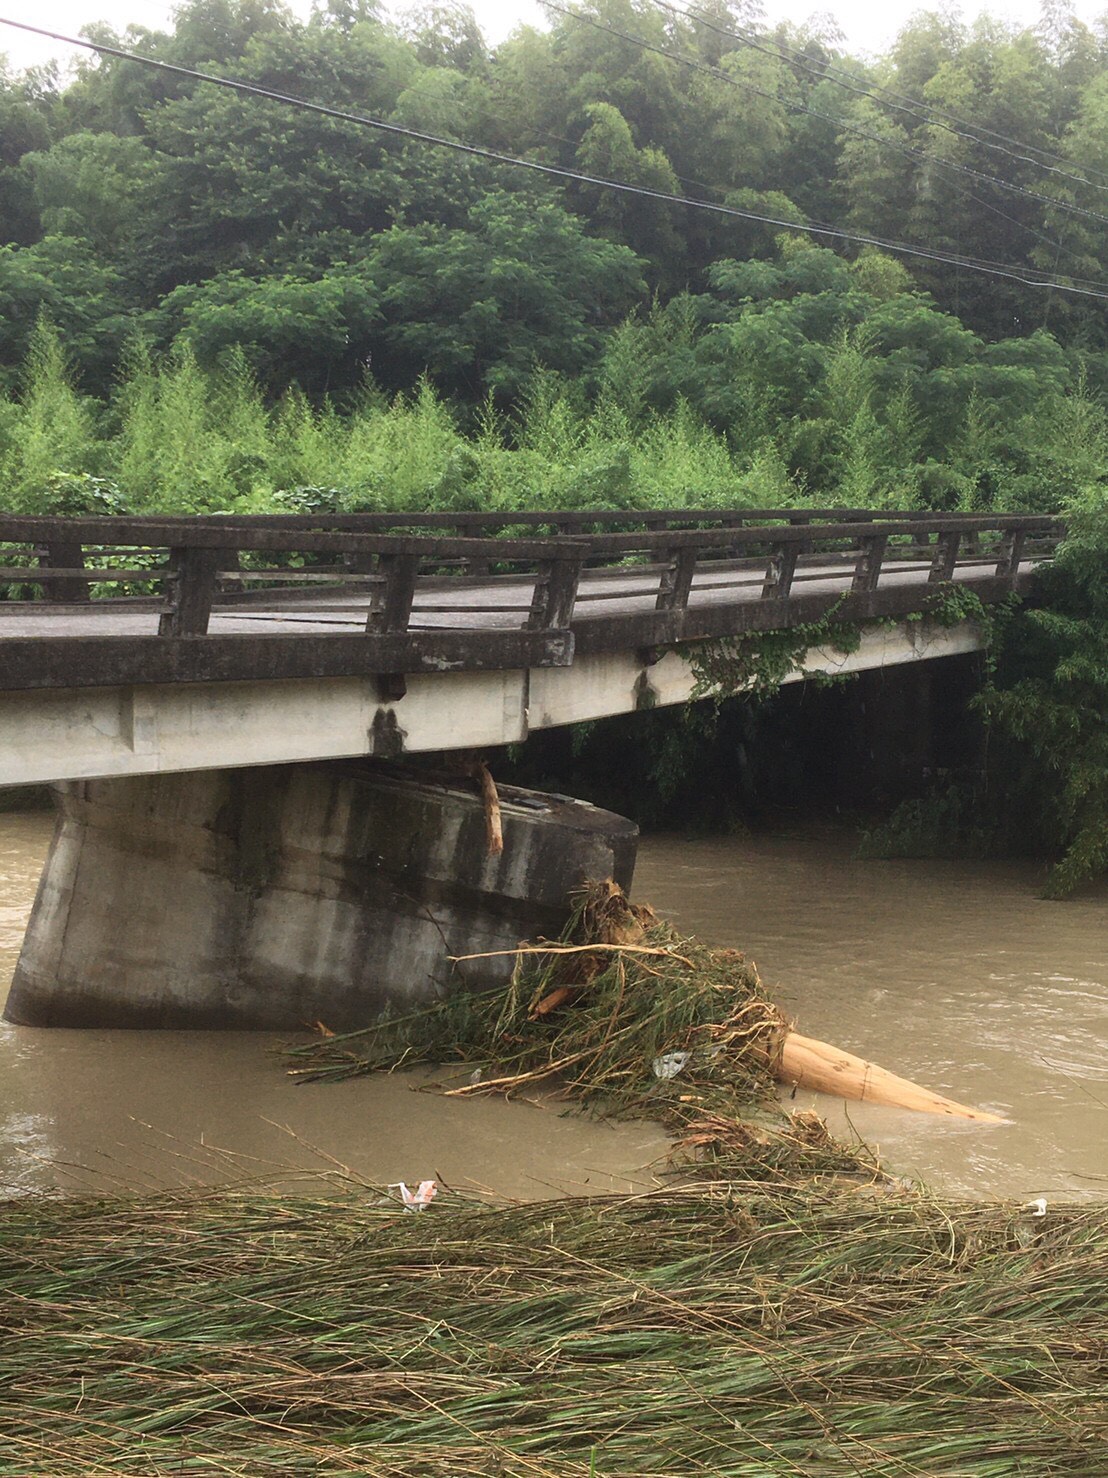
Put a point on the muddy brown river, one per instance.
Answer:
(954, 974)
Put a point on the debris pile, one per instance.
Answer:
(739, 1329)
(621, 1013)
(628, 1015)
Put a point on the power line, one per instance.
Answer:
(843, 127)
(1058, 246)
(929, 113)
(476, 151)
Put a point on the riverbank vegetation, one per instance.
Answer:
(764, 1321)
(1040, 787)
(698, 404)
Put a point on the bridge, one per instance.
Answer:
(217, 701)
(215, 642)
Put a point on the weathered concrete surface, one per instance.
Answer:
(279, 896)
(72, 734)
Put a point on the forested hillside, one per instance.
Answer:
(222, 274)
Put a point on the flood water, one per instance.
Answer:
(953, 974)
(106, 1110)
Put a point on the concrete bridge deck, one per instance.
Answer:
(361, 642)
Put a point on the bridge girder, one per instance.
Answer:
(85, 733)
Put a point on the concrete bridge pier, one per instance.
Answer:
(285, 895)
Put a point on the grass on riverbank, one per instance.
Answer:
(769, 1323)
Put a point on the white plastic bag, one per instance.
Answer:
(670, 1064)
(418, 1199)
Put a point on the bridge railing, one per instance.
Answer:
(507, 523)
(313, 600)
(795, 572)
(73, 551)
(936, 543)
(199, 564)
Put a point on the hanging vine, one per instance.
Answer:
(756, 663)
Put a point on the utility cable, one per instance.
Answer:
(494, 156)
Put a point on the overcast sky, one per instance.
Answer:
(869, 25)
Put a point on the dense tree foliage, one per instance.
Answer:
(133, 202)
(805, 380)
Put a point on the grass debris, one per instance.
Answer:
(757, 1326)
(625, 1013)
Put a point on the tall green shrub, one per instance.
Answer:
(191, 440)
(1049, 700)
(50, 429)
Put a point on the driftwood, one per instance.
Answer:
(804, 1062)
(494, 832)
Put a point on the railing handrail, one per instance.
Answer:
(271, 533)
(220, 534)
(683, 584)
(755, 535)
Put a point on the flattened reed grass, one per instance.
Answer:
(759, 1325)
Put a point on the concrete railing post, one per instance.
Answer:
(555, 592)
(64, 554)
(945, 556)
(191, 592)
(780, 571)
(867, 571)
(393, 610)
(676, 579)
(1010, 552)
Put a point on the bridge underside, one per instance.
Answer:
(85, 733)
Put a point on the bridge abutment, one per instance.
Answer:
(279, 896)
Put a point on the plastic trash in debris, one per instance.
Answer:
(670, 1064)
(1027, 1229)
(418, 1199)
